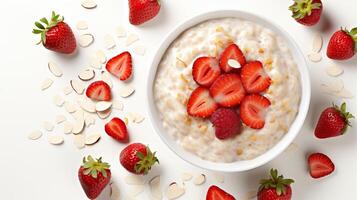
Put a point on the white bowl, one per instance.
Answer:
(238, 165)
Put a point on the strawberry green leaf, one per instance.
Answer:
(39, 25)
(36, 31)
(353, 31)
(44, 20)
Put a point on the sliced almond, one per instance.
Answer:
(234, 63)
(104, 114)
(89, 120)
(55, 139)
(89, 4)
(136, 118)
(95, 63)
(134, 180)
(101, 56)
(87, 105)
(67, 90)
(199, 180)
(70, 107)
(58, 100)
(46, 83)
(78, 115)
(315, 57)
(101, 106)
(34, 135)
(87, 75)
(78, 126)
(92, 139)
(79, 141)
(109, 42)
(155, 188)
(140, 50)
(131, 39)
(106, 78)
(219, 177)
(186, 176)
(67, 127)
(60, 118)
(114, 192)
(334, 70)
(120, 31)
(48, 126)
(85, 40)
(118, 105)
(77, 86)
(54, 69)
(317, 43)
(82, 25)
(126, 91)
(174, 191)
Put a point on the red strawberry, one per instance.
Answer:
(253, 109)
(94, 175)
(205, 71)
(120, 66)
(320, 165)
(99, 90)
(231, 52)
(200, 104)
(216, 193)
(137, 158)
(254, 78)
(116, 129)
(342, 45)
(226, 123)
(227, 90)
(333, 122)
(275, 188)
(307, 12)
(143, 10)
(56, 35)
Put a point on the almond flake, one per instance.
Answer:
(70, 107)
(315, 57)
(126, 91)
(136, 118)
(60, 118)
(34, 135)
(106, 78)
(55, 139)
(67, 90)
(334, 70)
(117, 105)
(95, 63)
(85, 40)
(234, 63)
(46, 83)
(89, 120)
(109, 42)
(140, 50)
(101, 56)
(54, 69)
(199, 180)
(48, 126)
(82, 25)
(136, 190)
(89, 4)
(86, 75)
(317, 43)
(86, 104)
(92, 139)
(67, 127)
(78, 115)
(174, 191)
(134, 180)
(79, 141)
(114, 192)
(104, 114)
(120, 31)
(78, 126)
(103, 106)
(77, 86)
(186, 176)
(58, 100)
(131, 39)
(155, 188)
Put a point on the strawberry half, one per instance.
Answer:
(99, 90)
(320, 165)
(254, 78)
(205, 71)
(216, 193)
(227, 90)
(116, 129)
(200, 103)
(120, 66)
(253, 109)
(231, 52)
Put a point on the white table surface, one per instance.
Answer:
(37, 170)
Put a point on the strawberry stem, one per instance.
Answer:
(345, 114)
(277, 182)
(146, 162)
(44, 25)
(93, 167)
(353, 34)
(302, 8)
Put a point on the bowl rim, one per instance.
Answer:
(279, 147)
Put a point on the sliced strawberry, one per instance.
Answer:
(116, 129)
(205, 71)
(120, 66)
(99, 90)
(227, 90)
(254, 78)
(320, 165)
(216, 193)
(200, 103)
(231, 52)
(253, 109)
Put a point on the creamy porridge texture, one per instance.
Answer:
(174, 84)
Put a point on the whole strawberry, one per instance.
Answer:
(343, 44)
(94, 175)
(143, 10)
(333, 122)
(307, 12)
(56, 35)
(275, 188)
(137, 158)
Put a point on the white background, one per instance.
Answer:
(37, 170)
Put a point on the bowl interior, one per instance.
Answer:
(238, 165)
